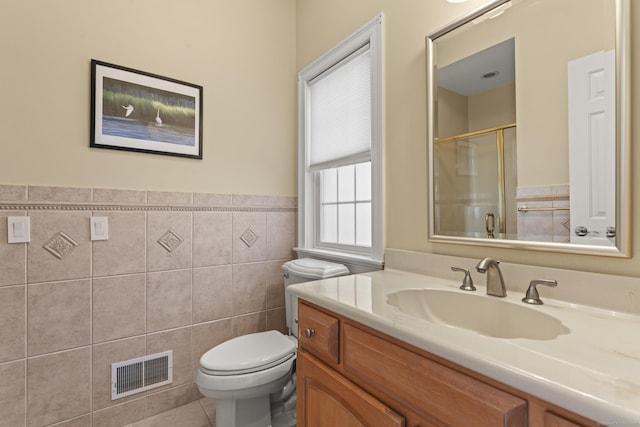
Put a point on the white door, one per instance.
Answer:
(592, 148)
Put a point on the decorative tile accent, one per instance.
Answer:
(254, 248)
(60, 245)
(567, 224)
(170, 240)
(249, 237)
(100, 207)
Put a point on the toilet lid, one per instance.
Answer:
(248, 353)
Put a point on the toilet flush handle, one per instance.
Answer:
(308, 333)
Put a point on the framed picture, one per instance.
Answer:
(137, 111)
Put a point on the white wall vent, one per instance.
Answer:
(140, 374)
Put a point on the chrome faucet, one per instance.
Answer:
(495, 282)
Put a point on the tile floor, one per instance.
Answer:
(195, 414)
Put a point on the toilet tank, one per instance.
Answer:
(305, 270)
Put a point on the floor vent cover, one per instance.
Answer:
(140, 374)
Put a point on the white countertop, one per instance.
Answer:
(594, 370)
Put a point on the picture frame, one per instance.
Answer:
(134, 110)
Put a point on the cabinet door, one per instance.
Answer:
(327, 399)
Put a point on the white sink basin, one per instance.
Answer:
(486, 315)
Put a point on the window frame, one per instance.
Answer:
(308, 186)
(319, 204)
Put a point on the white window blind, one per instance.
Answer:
(340, 160)
(340, 110)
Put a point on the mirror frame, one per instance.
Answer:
(623, 145)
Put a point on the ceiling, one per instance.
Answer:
(482, 71)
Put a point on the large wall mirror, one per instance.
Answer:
(528, 127)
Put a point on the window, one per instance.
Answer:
(340, 150)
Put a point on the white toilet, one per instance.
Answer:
(252, 377)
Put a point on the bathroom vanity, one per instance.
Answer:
(363, 360)
(381, 381)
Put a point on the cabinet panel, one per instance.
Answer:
(553, 420)
(326, 399)
(318, 333)
(545, 414)
(427, 387)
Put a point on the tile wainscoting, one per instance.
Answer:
(180, 271)
(549, 219)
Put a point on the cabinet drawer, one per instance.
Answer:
(553, 420)
(318, 333)
(426, 387)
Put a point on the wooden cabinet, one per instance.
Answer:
(319, 333)
(347, 372)
(427, 387)
(327, 399)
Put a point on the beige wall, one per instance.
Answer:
(541, 75)
(407, 24)
(245, 54)
(241, 51)
(543, 46)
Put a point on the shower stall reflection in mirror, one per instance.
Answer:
(476, 183)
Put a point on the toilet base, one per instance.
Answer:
(283, 414)
(253, 412)
(257, 412)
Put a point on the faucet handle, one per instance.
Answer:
(532, 296)
(467, 282)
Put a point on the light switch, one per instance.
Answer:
(99, 228)
(18, 229)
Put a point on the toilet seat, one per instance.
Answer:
(248, 353)
(247, 370)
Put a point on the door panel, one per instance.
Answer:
(592, 147)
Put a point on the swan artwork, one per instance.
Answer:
(128, 110)
(158, 119)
